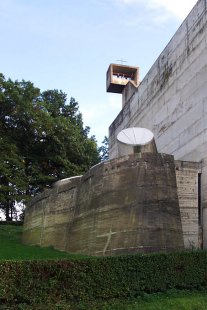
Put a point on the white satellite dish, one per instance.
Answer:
(135, 136)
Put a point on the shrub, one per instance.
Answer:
(32, 282)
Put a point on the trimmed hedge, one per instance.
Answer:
(33, 282)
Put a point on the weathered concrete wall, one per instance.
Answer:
(172, 99)
(125, 205)
(49, 215)
(187, 187)
(204, 200)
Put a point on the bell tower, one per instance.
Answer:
(118, 76)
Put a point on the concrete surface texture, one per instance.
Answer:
(171, 101)
(125, 205)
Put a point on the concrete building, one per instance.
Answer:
(131, 204)
(151, 199)
(171, 101)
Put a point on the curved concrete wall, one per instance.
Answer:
(49, 215)
(124, 205)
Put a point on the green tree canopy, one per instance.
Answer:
(42, 139)
(104, 149)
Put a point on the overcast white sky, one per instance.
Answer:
(69, 44)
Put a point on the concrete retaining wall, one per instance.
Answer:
(125, 205)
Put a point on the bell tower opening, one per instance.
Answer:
(118, 76)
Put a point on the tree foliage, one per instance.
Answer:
(42, 139)
(104, 149)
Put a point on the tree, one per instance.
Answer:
(104, 149)
(13, 180)
(42, 140)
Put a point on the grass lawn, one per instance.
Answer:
(13, 249)
(174, 300)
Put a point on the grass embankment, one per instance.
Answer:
(74, 284)
(11, 247)
(172, 300)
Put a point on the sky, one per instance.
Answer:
(69, 44)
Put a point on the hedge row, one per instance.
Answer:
(32, 282)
